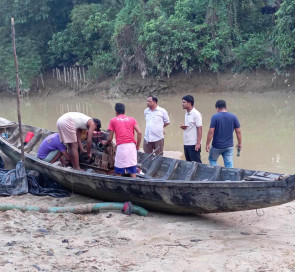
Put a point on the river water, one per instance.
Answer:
(267, 120)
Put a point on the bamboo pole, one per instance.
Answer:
(80, 76)
(57, 74)
(83, 75)
(18, 92)
(68, 77)
(42, 80)
(71, 77)
(65, 76)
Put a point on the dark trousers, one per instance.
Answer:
(191, 154)
(149, 147)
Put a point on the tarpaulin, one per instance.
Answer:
(19, 181)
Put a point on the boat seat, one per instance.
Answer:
(207, 172)
(33, 153)
(161, 167)
(14, 140)
(232, 174)
(184, 170)
(14, 136)
(263, 176)
(37, 136)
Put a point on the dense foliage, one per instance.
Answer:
(153, 36)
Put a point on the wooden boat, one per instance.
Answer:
(167, 185)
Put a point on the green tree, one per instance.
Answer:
(170, 43)
(34, 24)
(152, 36)
(285, 33)
(87, 39)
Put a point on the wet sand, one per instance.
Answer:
(261, 240)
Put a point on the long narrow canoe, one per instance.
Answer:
(168, 185)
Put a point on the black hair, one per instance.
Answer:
(220, 104)
(97, 122)
(120, 108)
(154, 98)
(189, 98)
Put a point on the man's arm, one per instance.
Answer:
(91, 127)
(183, 127)
(109, 140)
(79, 132)
(199, 138)
(65, 153)
(166, 119)
(209, 138)
(139, 135)
(239, 137)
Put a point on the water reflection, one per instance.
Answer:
(267, 121)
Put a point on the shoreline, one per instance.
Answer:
(261, 240)
(257, 81)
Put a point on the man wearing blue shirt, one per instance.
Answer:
(222, 126)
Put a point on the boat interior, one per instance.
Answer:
(150, 166)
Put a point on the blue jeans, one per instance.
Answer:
(227, 154)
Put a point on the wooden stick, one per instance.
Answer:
(65, 76)
(18, 92)
(80, 76)
(83, 75)
(68, 76)
(42, 80)
(57, 74)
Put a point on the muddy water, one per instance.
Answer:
(267, 121)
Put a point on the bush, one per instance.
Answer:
(256, 52)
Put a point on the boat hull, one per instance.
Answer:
(172, 196)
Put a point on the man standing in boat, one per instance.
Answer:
(192, 130)
(126, 154)
(222, 126)
(156, 119)
(70, 126)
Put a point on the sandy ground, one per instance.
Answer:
(261, 240)
(258, 240)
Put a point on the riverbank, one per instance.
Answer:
(257, 81)
(261, 240)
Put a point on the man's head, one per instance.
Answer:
(152, 102)
(97, 123)
(119, 108)
(220, 105)
(188, 102)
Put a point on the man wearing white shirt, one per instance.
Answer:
(156, 119)
(192, 130)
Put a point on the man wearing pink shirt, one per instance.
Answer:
(126, 155)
